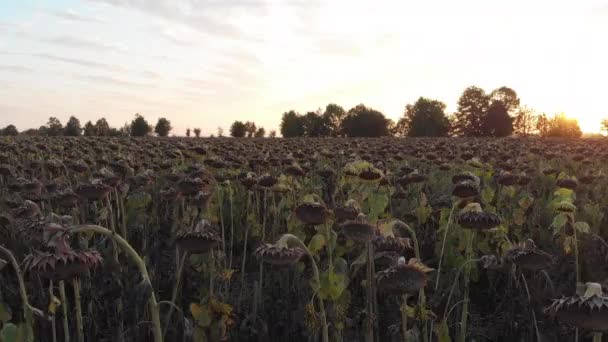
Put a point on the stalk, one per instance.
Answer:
(445, 235)
(28, 310)
(404, 317)
(141, 265)
(79, 326)
(465, 306)
(53, 327)
(294, 240)
(238, 305)
(64, 305)
(176, 288)
(369, 333)
(538, 339)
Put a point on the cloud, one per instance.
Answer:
(150, 74)
(75, 61)
(15, 68)
(110, 80)
(206, 16)
(75, 42)
(72, 15)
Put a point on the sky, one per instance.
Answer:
(207, 63)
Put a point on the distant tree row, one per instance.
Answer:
(248, 129)
(479, 114)
(137, 128)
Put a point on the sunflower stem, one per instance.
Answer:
(176, 288)
(141, 265)
(445, 235)
(467, 272)
(28, 310)
(79, 326)
(64, 306)
(294, 240)
(404, 316)
(369, 333)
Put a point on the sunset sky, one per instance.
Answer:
(206, 63)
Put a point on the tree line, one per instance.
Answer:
(137, 128)
(479, 114)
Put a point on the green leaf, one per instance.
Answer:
(9, 333)
(423, 214)
(582, 227)
(5, 313)
(526, 202)
(443, 333)
(316, 243)
(559, 222)
(518, 217)
(199, 335)
(487, 195)
(509, 191)
(202, 314)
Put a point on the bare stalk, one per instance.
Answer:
(141, 265)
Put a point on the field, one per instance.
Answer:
(184, 239)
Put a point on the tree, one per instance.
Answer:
(250, 128)
(140, 127)
(102, 127)
(316, 125)
(564, 127)
(543, 125)
(361, 121)
(507, 96)
(425, 118)
(9, 131)
(497, 121)
(197, 132)
(524, 121)
(89, 129)
(272, 134)
(334, 115)
(604, 127)
(54, 127)
(472, 108)
(260, 133)
(188, 132)
(72, 127)
(163, 127)
(238, 129)
(292, 125)
(220, 131)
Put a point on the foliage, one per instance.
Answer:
(54, 127)
(362, 121)
(9, 131)
(425, 118)
(292, 125)
(238, 129)
(140, 127)
(163, 127)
